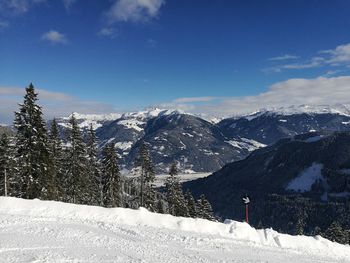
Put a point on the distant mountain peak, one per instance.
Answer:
(340, 109)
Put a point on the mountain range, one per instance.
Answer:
(198, 145)
(204, 145)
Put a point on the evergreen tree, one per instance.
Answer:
(204, 209)
(94, 175)
(175, 196)
(160, 207)
(5, 161)
(300, 221)
(336, 233)
(317, 231)
(55, 185)
(76, 180)
(299, 226)
(147, 194)
(111, 179)
(191, 204)
(32, 147)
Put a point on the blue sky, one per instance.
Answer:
(199, 55)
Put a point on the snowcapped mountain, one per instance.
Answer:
(309, 174)
(198, 145)
(340, 109)
(205, 144)
(269, 126)
(47, 231)
(85, 120)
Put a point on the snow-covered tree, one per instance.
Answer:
(147, 176)
(160, 207)
(175, 197)
(336, 233)
(111, 179)
(204, 209)
(55, 180)
(93, 168)
(76, 180)
(32, 147)
(5, 165)
(191, 204)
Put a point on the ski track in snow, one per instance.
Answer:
(36, 234)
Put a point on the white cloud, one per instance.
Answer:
(15, 7)
(109, 32)
(68, 3)
(54, 37)
(318, 91)
(134, 10)
(55, 104)
(312, 63)
(283, 57)
(340, 56)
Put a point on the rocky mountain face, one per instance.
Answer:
(302, 181)
(195, 143)
(198, 145)
(204, 146)
(268, 127)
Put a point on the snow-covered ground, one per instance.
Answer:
(46, 231)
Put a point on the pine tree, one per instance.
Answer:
(76, 162)
(301, 220)
(147, 177)
(32, 147)
(175, 196)
(191, 204)
(336, 233)
(94, 175)
(160, 207)
(204, 209)
(299, 226)
(111, 179)
(5, 160)
(55, 185)
(317, 231)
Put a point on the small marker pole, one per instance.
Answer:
(246, 214)
(246, 201)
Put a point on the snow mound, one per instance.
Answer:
(184, 227)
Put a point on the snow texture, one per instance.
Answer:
(247, 144)
(123, 145)
(47, 231)
(306, 178)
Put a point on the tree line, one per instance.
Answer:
(37, 163)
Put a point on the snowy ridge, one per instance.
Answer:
(300, 109)
(132, 120)
(80, 218)
(94, 117)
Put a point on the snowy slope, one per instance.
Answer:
(340, 109)
(44, 231)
